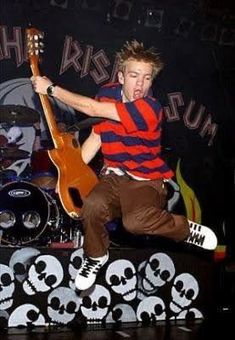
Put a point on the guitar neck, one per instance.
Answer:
(46, 105)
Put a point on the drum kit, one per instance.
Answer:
(30, 211)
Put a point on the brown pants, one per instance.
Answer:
(139, 203)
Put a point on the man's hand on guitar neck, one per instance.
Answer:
(40, 84)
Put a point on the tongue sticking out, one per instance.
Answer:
(137, 94)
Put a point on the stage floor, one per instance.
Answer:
(218, 326)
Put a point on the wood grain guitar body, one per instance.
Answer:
(75, 178)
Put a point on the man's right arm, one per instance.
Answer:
(90, 147)
(84, 104)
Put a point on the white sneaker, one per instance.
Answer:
(201, 236)
(88, 271)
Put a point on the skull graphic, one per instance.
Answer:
(14, 134)
(44, 274)
(184, 291)
(151, 308)
(74, 264)
(121, 312)
(121, 276)
(189, 314)
(95, 303)
(7, 287)
(63, 304)
(26, 315)
(155, 273)
(21, 260)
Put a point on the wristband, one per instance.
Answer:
(51, 89)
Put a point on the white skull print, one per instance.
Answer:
(75, 262)
(189, 314)
(21, 260)
(155, 273)
(44, 274)
(121, 312)
(63, 304)
(95, 303)
(151, 308)
(184, 291)
(26, 315)
(7, 287)
(121, 277)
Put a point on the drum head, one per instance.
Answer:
(24, 212)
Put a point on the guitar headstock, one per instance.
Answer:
(34, 42)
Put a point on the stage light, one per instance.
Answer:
(122, 9)
(59, 3)
(154, 18)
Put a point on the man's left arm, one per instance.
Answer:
(90, 147)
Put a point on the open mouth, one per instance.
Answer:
(138, 94)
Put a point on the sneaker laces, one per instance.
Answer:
(195, 236)
(90, 266)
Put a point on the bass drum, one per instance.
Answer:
(25, 213)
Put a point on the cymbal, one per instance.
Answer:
(13, 153)
(18, 115)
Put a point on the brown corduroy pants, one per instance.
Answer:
(140, 204)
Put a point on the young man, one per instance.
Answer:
(133, 181)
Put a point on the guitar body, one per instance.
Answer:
(75, 178)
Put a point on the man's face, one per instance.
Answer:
(136, 80)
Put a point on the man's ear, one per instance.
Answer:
(120, 77)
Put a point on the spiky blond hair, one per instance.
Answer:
(136, 51)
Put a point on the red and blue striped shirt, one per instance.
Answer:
(134, 143)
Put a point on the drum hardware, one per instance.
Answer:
(13, 153)
(7, 176)
(30, 215)
(73, 239)
(44, 173)
(18, 115)
(26, 212)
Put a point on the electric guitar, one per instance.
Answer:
(75, 178)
